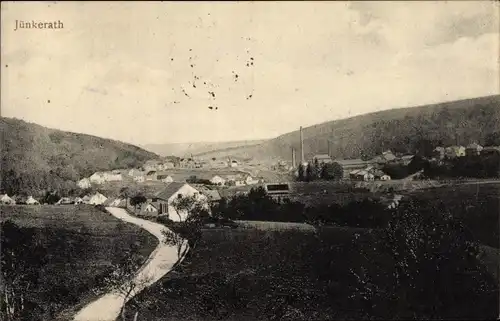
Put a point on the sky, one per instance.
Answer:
(160, 72)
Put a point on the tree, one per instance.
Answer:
(436, 264)
(309, 172)
(138, 199)
(332, 171)
(186, 233)
(492, 139)
(125, 280)
(21, 256)
(301, 173)
(125, 192)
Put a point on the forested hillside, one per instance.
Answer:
(35, 158)
(401, 130)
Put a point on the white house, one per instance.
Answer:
(78, 200)
(6, 200)
(97, 199)
(113, 176)
(163, 201)
(139, 178)
(149, 209)
(217, 180)
(250, 181)
(233, 163)
(165, 178)
(97, 178)
(32, 201)
(134, 172)
(84, 183)
(385, 177)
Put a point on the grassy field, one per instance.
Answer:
(82, 243)
(248, 274)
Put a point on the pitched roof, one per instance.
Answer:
(170, 190)
(322, 156)
(474, 145)
(151, 173)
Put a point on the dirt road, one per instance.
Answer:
(161, 260)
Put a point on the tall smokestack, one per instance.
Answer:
(301, 146)
(329, 148)
(293, 157)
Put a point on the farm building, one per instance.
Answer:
(165, 178)
(84, 183)
(473, 149)
(233, 163)
(491, 150)
(406, 159)
(6, 200)
(97, 199)
(31, 201)
(361, 175)
(322, 159)
(217, 180)
(139, 179)
(65, 201)
(438, 153)
(454, 151)
(148, 209)
(151, 176)
(163, 201)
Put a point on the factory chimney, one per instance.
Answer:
(301, 146)
(293, 157)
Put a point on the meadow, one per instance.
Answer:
(64, 254)
(341, 273)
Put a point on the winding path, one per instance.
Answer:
(161, 261)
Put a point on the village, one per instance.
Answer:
(211, 180)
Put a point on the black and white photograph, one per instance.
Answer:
(249, 160)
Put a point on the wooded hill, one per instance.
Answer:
(36, 158)
(401, 130)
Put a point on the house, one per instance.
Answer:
(134, 172)
(490, 150)
(278, 191)
(322, 159)
(97, 199)
(378, 174)
(388, 156)
(250, 181)
(112, 176)
(438, 152)
(454, 151)
(97, 178)
(406, 159)
(65, 201)
(213, 196)
(217, 180)
(233, 163)
(148, 209)
(86, 199)
(6, 200)
(139, 179)
(235, 180)
(78, 200)
(151, 165)
(151, 176)
(165, 178)
(473, 149)
(84, 183)
(32, 201)
(163, 201)
(361, 175)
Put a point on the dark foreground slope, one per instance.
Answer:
(35, 158)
